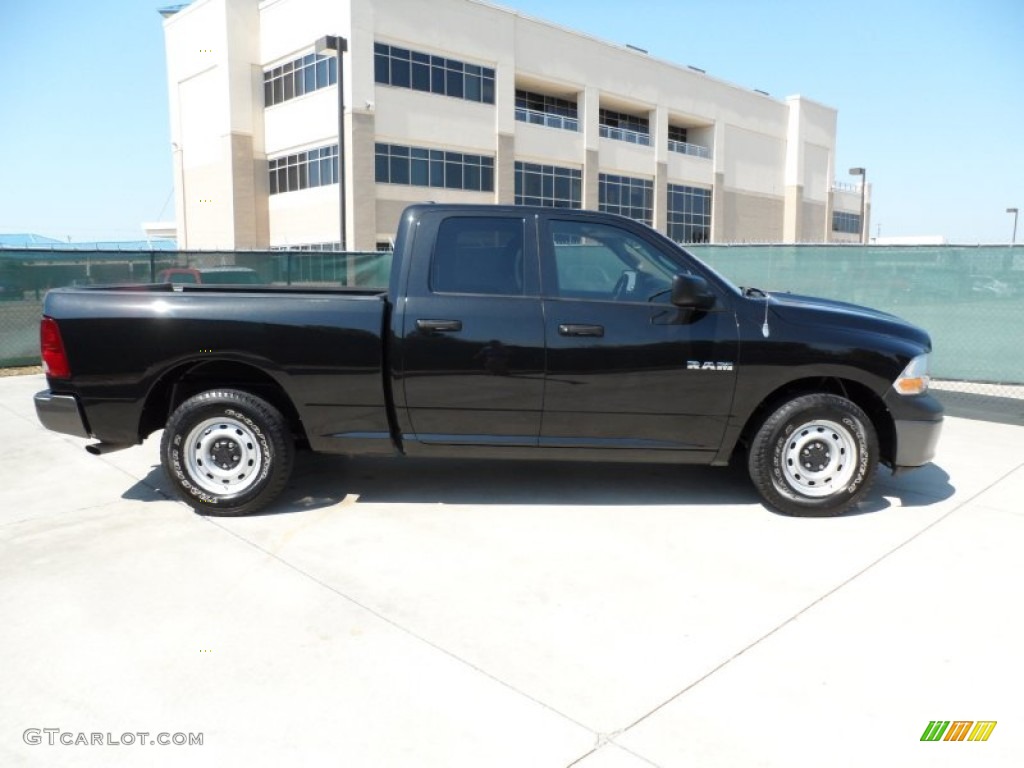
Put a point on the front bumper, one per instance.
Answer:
(918, 424)
(61, 413)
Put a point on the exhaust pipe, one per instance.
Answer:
(98, 449)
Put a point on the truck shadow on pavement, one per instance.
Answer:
(321, 480)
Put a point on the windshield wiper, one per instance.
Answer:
(754, 293)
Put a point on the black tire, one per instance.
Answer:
(814, 456)
(227, 452)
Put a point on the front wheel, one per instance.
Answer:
(815, 455)
(227, 452)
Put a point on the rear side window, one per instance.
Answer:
(479, 255)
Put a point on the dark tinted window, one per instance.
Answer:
(479, 255)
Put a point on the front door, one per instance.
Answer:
(621, 370)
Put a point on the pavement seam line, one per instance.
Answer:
(813, 603)
(602, 743)
(399, 627)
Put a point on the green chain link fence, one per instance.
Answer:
(26, 274)
(970, 299)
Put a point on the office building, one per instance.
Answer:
(462, 101)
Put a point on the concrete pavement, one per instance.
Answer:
(503, 614)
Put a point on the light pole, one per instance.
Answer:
(338, 45)
(863, 173)
(1013, 240)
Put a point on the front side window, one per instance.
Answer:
(604, 262)
(479, 255)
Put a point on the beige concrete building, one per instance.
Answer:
(461, 101)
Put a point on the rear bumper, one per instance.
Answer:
(61, 413)
(918, 424)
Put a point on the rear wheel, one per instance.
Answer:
(815, 455)
(227, 452)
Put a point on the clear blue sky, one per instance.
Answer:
(930, 95)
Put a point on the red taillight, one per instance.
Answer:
(55, 361)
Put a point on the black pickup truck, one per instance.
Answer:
(504, 332)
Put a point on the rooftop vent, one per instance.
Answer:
(169, 10)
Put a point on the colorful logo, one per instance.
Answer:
(958, 730)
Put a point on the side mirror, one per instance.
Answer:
(692, 292)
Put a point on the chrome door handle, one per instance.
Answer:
(439, 325)
(573, 329)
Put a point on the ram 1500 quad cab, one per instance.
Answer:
(508, 332)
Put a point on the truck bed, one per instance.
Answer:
(322, 346)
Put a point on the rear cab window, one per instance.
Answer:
(479, 255)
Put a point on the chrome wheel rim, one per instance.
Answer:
(223, 456)
(820, 458)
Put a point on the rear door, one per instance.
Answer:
(627, 370)
(471, 346)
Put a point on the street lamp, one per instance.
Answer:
(862, 172)
(338, 45)
(1014, 212)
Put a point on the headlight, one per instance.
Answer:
(914, 379)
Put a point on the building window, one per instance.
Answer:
(689, 214)
(848, 223)
(676, 133)
(627, 196)
(303, 170)
(677, 143)
(548, 185)
(419, 167)
(403, 68)
(538, 109)
(304, 75)
(624, 127)
(335, 246)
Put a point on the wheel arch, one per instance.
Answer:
(183, 381)
(864, 397)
